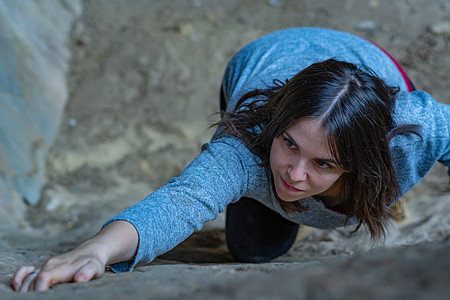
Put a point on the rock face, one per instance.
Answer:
(143, 80)
(34, 60)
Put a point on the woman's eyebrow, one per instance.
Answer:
(326, 160)
(291, 139)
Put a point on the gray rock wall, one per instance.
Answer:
(34, 60)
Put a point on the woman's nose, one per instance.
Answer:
(298, 171)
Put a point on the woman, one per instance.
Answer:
(310, 136)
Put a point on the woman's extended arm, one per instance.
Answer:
(116, 242)
(156, 224)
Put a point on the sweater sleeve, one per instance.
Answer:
(168, 216)
(414, 156)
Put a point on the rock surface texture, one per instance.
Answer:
(34, 60)
(143, 84)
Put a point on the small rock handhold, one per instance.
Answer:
(275, 3)
(443, 27)
(196, 3)
(366, 25)
(72, 123)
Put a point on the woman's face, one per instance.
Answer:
(302, 164)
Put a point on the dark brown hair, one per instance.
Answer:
(355, 108)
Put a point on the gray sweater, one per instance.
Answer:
(226, 170)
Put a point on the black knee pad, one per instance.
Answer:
(255, 233)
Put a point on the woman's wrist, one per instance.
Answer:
(116, 242)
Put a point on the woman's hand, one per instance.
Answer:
(118, 241)
(78, 265)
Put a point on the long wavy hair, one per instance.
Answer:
(355, 109)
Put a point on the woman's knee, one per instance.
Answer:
(256, 233)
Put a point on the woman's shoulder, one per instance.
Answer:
(420, 108)
(282, 54)
(413, 156)
(227, 145)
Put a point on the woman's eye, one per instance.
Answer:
(289, 143)
(323, 165)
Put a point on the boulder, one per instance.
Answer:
(34, 60)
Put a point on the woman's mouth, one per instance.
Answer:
(289, 187)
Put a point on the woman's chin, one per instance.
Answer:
(288, 198)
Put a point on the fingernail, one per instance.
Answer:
(81, 277)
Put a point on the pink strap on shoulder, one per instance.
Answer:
(399, 67)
